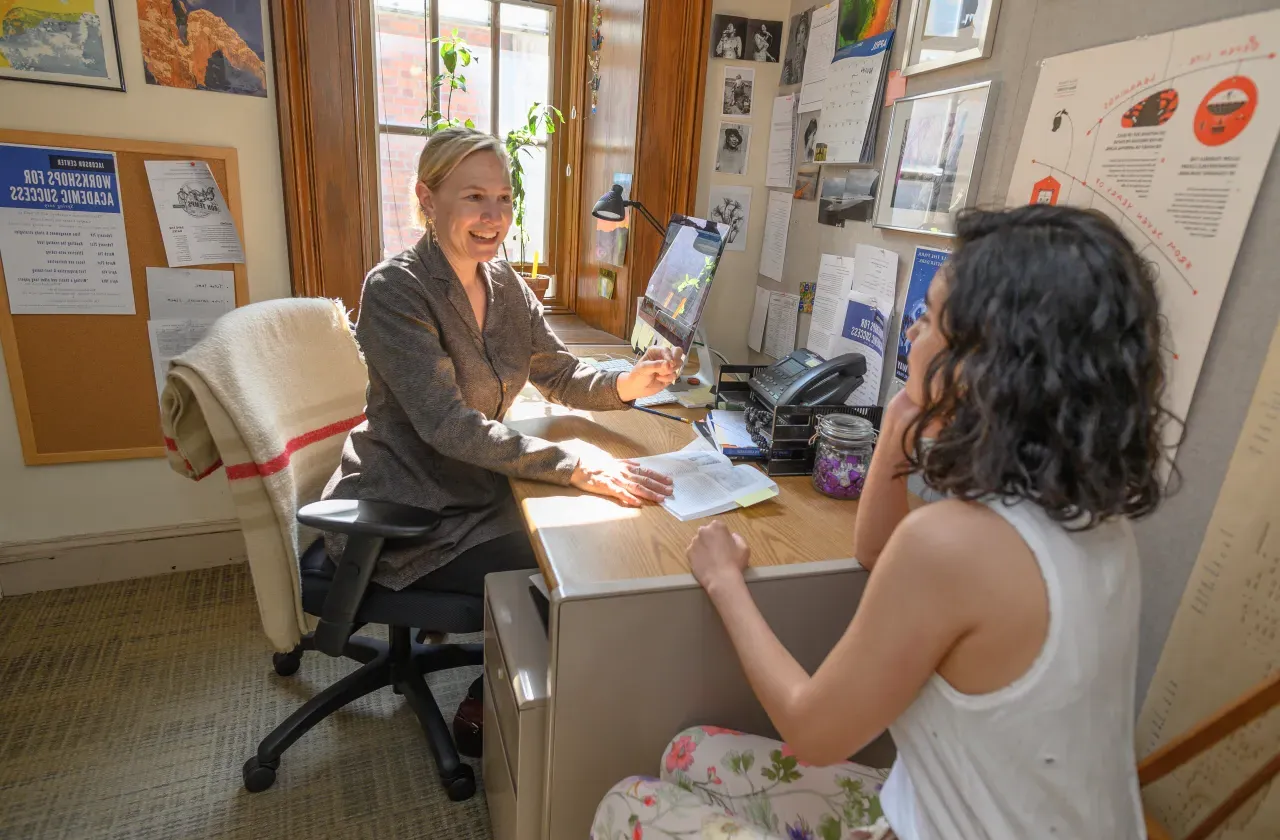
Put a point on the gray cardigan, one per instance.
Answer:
(438, 389)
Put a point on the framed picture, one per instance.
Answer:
(69, 43)
(932, 159)
(943, 33)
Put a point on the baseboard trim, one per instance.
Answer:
(40, 565)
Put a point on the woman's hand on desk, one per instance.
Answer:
(623, 481)
(718, 557)
(659, 368)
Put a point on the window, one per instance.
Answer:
(406, 63)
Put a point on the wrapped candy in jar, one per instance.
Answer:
(842, 455)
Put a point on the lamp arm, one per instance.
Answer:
(659, 228)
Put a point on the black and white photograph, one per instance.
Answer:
(731, 206)
(944, 33)
(728, 37)
(797, 46)
(848, 198)
(764, 40)
(932, 159)
(808, 126)
(739, 82)
(733, 147)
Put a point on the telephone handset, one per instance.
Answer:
(804, 378)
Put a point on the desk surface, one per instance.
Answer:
(584, 539)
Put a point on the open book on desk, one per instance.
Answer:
(707, 483)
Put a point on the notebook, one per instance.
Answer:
(708, 483)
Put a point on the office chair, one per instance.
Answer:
(339, 594)
(270, 391)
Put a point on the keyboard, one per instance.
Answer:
(622, 366)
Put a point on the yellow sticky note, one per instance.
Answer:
(758, 496)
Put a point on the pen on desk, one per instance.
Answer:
(663, 414)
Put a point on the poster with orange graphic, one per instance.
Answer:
(1170, 135)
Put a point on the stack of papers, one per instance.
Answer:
(730, 430)
(706, 483)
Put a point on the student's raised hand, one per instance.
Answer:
(626, 482)
(717, 555)
(659, 367)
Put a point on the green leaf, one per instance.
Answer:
(450, 59)
(466, 56)
(469, 123)
(829, 828)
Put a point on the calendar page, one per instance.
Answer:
(855, 81)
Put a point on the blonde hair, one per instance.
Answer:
(441, 155)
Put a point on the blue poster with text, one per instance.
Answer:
(40, 178)
(924, 265)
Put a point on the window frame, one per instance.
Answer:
(561, 149)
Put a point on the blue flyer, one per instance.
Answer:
(924, 265)
(62, 236)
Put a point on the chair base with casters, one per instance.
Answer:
(339, 593)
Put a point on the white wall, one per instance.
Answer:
(38, 503)
(1029, 31)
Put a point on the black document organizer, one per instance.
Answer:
(784, 433)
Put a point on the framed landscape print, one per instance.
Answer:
(63, 42)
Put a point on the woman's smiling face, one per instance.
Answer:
(471, 209)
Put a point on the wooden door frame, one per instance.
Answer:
(309, 101)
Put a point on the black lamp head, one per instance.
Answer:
(611, 207)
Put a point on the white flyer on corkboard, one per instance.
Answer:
(1225, 637)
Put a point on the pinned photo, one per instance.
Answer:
(732, 148)
(739, 84)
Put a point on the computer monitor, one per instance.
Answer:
(681, 280)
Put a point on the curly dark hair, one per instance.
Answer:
(1050, 385)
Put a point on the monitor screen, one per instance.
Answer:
(681, 281)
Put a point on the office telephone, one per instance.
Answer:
(804, 378)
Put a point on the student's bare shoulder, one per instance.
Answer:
(953, 537)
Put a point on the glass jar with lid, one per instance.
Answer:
(842, 455)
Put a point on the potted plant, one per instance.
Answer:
(540, 117)
(455, 54)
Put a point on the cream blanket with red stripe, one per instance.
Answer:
(270, 394)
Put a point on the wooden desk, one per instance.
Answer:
(634, 650)
(582, 539)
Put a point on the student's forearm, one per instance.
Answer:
(884, 498)
(776, 678)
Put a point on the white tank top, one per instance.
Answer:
(1051, 755)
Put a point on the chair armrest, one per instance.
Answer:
(367, 526)
(388, 520)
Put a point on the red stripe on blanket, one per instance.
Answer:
(250, 469)
(171, 444)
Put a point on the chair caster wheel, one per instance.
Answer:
(462, 785)
(258, 777)
(286, 664)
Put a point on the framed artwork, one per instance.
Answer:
(72, 42)
(932, 159)
(218, 45)
(944, 33)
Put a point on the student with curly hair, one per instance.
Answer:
(997, 637)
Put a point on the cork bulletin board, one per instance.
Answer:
(83, 387)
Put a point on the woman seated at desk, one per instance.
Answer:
(997, 637)
(450, 337)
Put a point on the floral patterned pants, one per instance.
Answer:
(717, 783)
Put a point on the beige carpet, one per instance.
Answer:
(127, 710)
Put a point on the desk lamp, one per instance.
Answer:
(612, 207)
